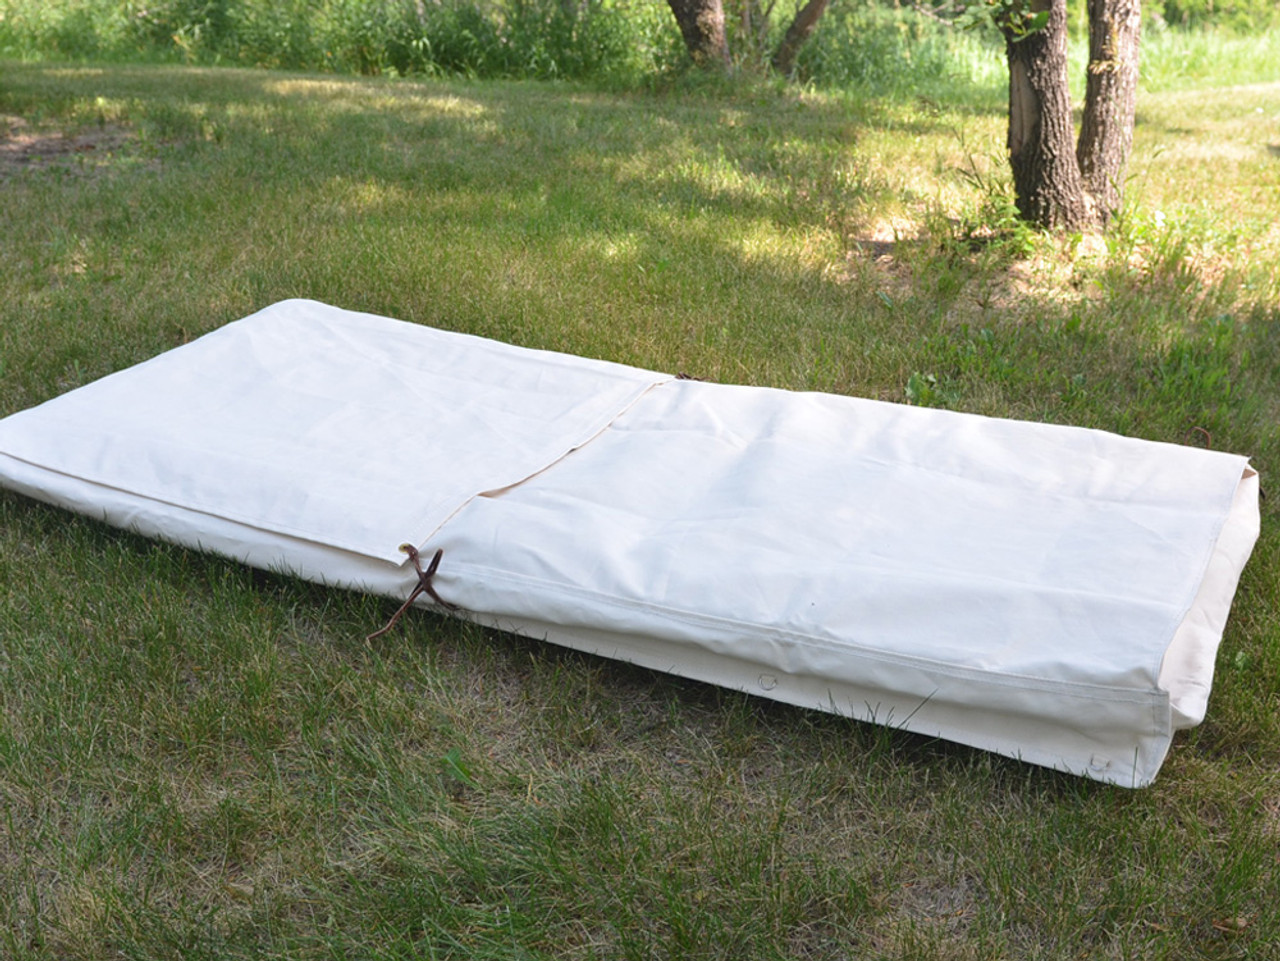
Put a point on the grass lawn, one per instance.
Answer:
(201, 761)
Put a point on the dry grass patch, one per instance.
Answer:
(24, 146)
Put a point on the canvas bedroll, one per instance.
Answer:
(1049, 593)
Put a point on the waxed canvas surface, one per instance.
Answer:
(345, 428)
(1047, 592)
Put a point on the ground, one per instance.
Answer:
(24, 146)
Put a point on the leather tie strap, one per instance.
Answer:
(424, 585)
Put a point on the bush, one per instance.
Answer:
(875, 46)
(1237, 16)
(166, 24)
(601, 39)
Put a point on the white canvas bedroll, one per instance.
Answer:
(1049, 593)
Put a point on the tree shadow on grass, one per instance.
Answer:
(746, 237)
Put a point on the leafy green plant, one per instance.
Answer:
(1016, 19)
(993, 222)
(926, 390)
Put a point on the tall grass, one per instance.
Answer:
(1187, 59)
(887, 49)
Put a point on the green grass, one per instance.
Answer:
(200, 761)
(1187, 59)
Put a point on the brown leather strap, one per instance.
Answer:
(424, 585)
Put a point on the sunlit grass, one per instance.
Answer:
(1184, 60)
(200, 761)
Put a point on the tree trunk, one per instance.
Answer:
(702, 26)
(1111, 96)
(806, 20)
(1050, 191)
(1056, 186)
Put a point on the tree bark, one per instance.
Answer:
(1047, 181)
(701, 24)
(1111, 95)
(805, 22)
(1056, 186)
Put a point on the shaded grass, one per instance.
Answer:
(201, 761)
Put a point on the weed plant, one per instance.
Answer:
(202, 761)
